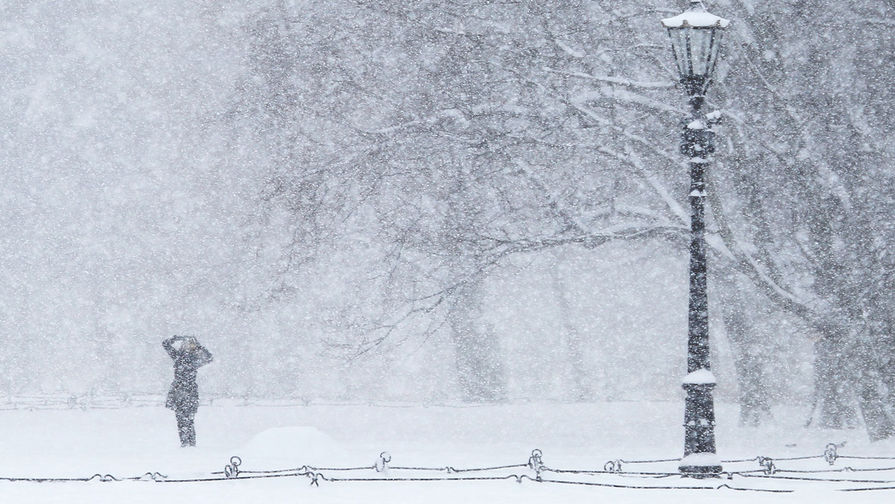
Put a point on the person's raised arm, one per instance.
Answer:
(204, 355)
(168, 345)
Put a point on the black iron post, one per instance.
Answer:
(695, 37)
(697, 143)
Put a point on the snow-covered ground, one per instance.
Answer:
(124, 442)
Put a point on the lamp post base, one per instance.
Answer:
(694, 471)
(700, 465)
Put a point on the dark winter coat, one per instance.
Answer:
(184, 394)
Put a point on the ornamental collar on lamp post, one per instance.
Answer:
(695, 43)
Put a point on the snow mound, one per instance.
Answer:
(297, 445)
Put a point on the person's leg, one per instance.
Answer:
(191, 430)
(184, 426)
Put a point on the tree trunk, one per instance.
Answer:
(874, 396)
(877, 418)
(480, 373)
(833, 391)
(571, 339)
(754, 396)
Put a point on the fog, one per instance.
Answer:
(441, 202)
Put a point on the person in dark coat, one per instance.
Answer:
(183, 397)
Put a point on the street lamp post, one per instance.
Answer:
(695, 42)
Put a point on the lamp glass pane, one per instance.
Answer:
(715, 49)
(700, 50)
(679, 47)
